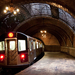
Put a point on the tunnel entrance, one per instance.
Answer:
(51, 43)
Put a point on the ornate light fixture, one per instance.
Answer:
(11, 8)
(43, 32)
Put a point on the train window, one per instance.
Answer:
(30, 45)
(37, 45)
(33, 44)
(41, 45)
(12, 45)
(2, 46)
(21, 45)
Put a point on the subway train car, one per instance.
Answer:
(18, 49)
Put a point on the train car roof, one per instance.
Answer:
(28, 36)
(3, 36)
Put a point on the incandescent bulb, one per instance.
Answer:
(7, 8)
(5, 11)
(41, 31)
(45, 31)
(17, 10)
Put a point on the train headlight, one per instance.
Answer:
(10, 34)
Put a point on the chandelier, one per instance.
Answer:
(43, 32)
(11, 8)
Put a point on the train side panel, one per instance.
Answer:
(19, 50)
(23, 55)
(35, 48)
(32, 50)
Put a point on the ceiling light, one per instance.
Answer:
(11, 9)
(5, 11)
(15, 12)
(45, 31)
(7, 8)
(41, 31)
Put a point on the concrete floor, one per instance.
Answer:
(52, 64)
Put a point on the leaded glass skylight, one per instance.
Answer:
(36, 9)
(66, 17)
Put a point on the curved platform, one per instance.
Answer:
(52, 64)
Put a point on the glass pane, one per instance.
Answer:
(37, 45)
(34, 45)
(12, 45)
(2, 46)
(63, 15)
(30, 45)
(41, 45)
(21, 45)
(38, 9)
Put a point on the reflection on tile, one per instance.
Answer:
(52, 64)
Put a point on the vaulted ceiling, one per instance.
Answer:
(69, 4)
(59, 20)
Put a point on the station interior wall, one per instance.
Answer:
(51, 44)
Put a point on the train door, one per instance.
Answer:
(11, 50)
(31, 50)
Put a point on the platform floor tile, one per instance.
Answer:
(52, 64)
